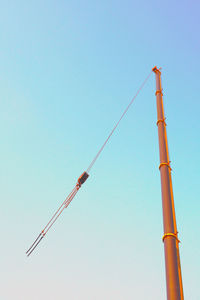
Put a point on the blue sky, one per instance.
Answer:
(67, 71)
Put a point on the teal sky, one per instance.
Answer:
(67, 71)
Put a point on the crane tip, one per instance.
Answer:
(155, 69)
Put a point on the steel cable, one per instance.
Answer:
(114, 128)
(82, 178)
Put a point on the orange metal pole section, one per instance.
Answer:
(170, 238)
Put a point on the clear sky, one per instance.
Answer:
(67, 71)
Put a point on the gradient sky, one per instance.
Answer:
(67, 71)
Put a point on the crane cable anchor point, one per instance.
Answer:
(159, 92)
(161, 120)
(165, 164)
(172, 235)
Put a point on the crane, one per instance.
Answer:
(170, 238)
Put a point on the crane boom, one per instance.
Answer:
(170, 237)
